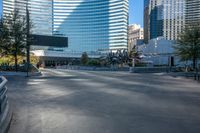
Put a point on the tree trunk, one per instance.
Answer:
(194, 63)
(16, 60)
(195, 68)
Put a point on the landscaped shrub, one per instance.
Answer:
(7, 63)
(94, 63)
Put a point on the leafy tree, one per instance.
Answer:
(4, 38)
(84, 58)
(17, 31)
(94, 62)
(187, 46)
(134, 55)
(8, 59)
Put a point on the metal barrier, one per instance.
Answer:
(5, 112)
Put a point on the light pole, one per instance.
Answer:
(27, 38)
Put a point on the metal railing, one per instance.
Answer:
(3, 96)
(5, 113)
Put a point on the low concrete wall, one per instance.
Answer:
(93, 68)
(151, 69)
(5, 111)
(4, 73)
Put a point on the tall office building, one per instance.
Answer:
(163, 18)
(90, 25)
(136, 34)
(146, 21)
(192, 12)
(40, 13)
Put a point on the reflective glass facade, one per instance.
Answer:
(146, 21)
(192, 12)
(90, 25)
(163, 18)
(40, 13)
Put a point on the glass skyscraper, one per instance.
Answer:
(90, 25)
(163, 18)
(192, 12)
(146, 21)
(40, 13)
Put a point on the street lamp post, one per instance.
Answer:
(27, 38)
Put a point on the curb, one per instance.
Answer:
(19, 74)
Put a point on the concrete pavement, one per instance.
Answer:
(63, 101)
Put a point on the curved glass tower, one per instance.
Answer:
(90, 25)
(40, 13)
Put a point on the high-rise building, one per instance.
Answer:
(192, 12)
(163, 18)
(135, 33)
(90, 25)
(40, 13)
(146, 21)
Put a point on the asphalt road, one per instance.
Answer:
(63, 101)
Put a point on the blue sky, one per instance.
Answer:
(0, 7)
(135, 13)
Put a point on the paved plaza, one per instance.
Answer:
(66, 101)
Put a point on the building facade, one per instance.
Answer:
(90, 25)
(40, 13)
(146, 21)
(192, 12)
(135, 33)
(159, 52)
(163, 18)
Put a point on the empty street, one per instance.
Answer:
(65, 101)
